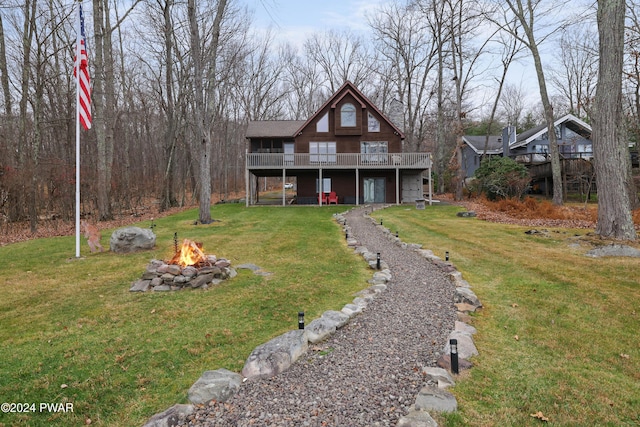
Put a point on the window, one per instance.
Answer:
(374, 151)
(323, 124)
(348, 116)
(324, 152)
(326, 185)
(374, 124)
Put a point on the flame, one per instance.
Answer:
(190, 253)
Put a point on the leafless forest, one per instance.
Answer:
(174, 84)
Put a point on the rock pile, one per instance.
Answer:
(161, 276)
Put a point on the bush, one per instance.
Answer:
(502, 177)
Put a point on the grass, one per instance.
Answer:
(576, 358)
(72, 332)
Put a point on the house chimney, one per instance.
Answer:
(508, 139)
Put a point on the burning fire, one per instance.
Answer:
(190, 253)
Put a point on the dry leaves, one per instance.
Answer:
(540, 416)
(624, 356)
(517, 338)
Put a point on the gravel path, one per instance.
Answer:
(369, 372)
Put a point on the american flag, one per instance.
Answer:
(81, 62)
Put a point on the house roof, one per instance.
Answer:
(476, 143)
(273, 128)
(571, 121)
(363, 100)
(495, 141)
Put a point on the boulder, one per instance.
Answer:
(352, 310)
(170, 417)
(218, 385)
(319, 329)
(466, 346)
(337, 317)
(132, 239)
(277, 355)
(417, 419)
(467, 296)
(435, 399)
(614, 250)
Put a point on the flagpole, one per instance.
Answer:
(77, 64)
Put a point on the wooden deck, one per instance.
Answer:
(569, 168)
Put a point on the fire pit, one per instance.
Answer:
(190, 268)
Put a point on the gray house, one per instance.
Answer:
(532, 146)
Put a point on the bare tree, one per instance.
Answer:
(529, 14)
(577, 70)
(205, 99)
(612, 164)
(512, 102)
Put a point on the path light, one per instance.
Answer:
(301, 320)
(378, 260)
(380, 221)
(153, 225)
(396, 233)
(346, 234)
(446, 256)
(453, 343)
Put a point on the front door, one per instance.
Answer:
(374, 190)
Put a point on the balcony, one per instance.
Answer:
(417, 161)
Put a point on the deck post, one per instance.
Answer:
(357, 186)
(284, 191)
(397, 186)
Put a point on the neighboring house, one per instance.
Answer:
(531, 146)
(348, 147)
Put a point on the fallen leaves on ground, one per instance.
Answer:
(539, 415)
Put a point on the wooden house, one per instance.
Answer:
(347, 152)
(532, 146)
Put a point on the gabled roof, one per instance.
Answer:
(349, 87)
(571, 121)
(273, 128)
(495, 141)
(476, 143)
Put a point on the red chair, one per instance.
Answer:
(333, 198)
(322, 198)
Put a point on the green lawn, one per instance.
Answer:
(576, 358)
(71, 331)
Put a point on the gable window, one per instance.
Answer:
(348, 115)
(374, 124)
(324, 152)
(323, 124)
(374, 151)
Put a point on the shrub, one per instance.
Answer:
(501, 178)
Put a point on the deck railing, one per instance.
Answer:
(338, 161)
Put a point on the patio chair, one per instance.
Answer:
(333, 198)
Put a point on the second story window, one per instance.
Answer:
(348, 116)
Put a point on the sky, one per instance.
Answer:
(293, 20)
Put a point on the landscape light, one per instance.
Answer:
(380, 221)
(446, 256)
(453, 343)
(396, 233)
(301, 320)
(378, 260)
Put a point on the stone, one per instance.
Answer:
(467, 296)
(162, 288)
(202, 279)
(180, 279)
(339, 318)
(464, 328)
(170, 417)
(319, 330)
(466, 347)
(132, 239)
(276, 355)
(189, 271)
(218, 385)
(435, 399)
(469, 214)
(465, 308)
(352, 310)
(444, 362)
(439, 375)
(210, 270)
(156, 281)
(251, 267)
(417, 419)
(140, 286)
(174, 269)
(614, 250)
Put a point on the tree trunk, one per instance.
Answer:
(611, 155)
